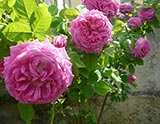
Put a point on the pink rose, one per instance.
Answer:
(125, 8)
(134, 22)
(91, 31)
(131, 78)
(109, 7)
(37, 72)
(142, 48)
(146, 14)
(60, 41)
(1, 68)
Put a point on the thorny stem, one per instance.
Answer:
(102, 108)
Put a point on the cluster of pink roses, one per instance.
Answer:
(145, 14)
(39, 72)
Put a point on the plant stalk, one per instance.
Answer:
(52, 116)
(102, 108)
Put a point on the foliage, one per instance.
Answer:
(104, 73)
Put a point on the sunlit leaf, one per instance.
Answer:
(40, 20)
(24, 8)
(17, 31)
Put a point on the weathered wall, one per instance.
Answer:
(143, 105)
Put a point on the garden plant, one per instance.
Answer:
(57, 61)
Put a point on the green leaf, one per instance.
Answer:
(56, 21)
(134, 85)
(118, 26)
(131, 69)
(73, 94)
(53, 10)
(3, 4)
(26, 112)
(124, 78)
(90, 60)
(115, 76)
(24, 8)
(102, 88)
(40, 20)
(75, 58)
(138, 61)
(93, 77)
(107, 72)
(88, 90)
(17, 31)
(1, 12)
(69, 13)
(11, 2)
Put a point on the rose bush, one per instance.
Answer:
(100, 42)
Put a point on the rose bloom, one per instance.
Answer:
(109, 7)
(1, 68)
(37, 72)
(121, 16)
(142, 48)
(60, 41)
(91, 31)
(134, 22)
(131, 78)
(146, 14)
(125, 8)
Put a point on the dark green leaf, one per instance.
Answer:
(138, 61)
(131, 69)
(53, 10)
(90, 60)
(88, 90)
(26, 111)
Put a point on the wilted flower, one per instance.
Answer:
(91, 31)
(142, 48)
(37, 72)
(60, 41)
(134, 22)
(1, 68)
(109, 7)
(146, 14)
(131, 78)
(125, 8)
